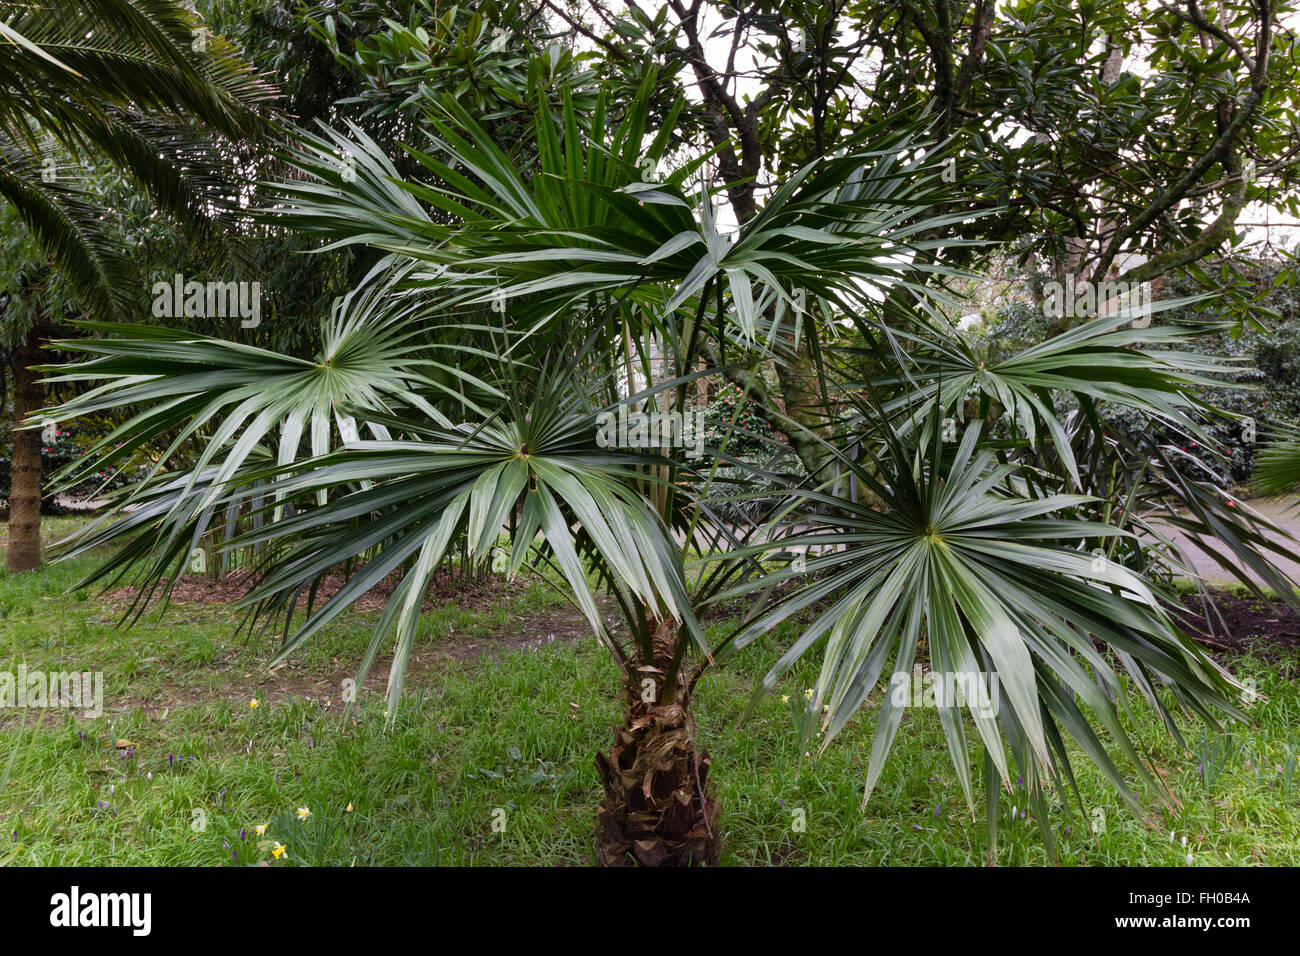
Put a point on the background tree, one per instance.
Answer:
(1093, 136)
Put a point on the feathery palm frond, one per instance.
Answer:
(124, 81)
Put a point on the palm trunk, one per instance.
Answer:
(657, 810)
(24, 552)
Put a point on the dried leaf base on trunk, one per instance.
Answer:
(656, 811)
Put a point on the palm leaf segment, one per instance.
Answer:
(241, 406)
(997, 586)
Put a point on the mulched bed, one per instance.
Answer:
(445, 588)
(1244, 624)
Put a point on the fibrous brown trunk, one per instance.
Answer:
(657, 810)
(24, 551)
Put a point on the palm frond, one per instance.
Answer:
(965, 564)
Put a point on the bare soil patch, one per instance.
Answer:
(1244, 624)
(324, 684)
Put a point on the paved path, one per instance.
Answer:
(1283, 513)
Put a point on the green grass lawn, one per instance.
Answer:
(490, 760)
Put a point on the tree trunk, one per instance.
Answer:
(801, 391)
(657, 810)
(24, 552)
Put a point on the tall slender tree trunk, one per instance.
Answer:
(657, 810)
(24, 551)
(801, 392)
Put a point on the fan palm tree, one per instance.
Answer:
(142, 85)
(459, 398)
